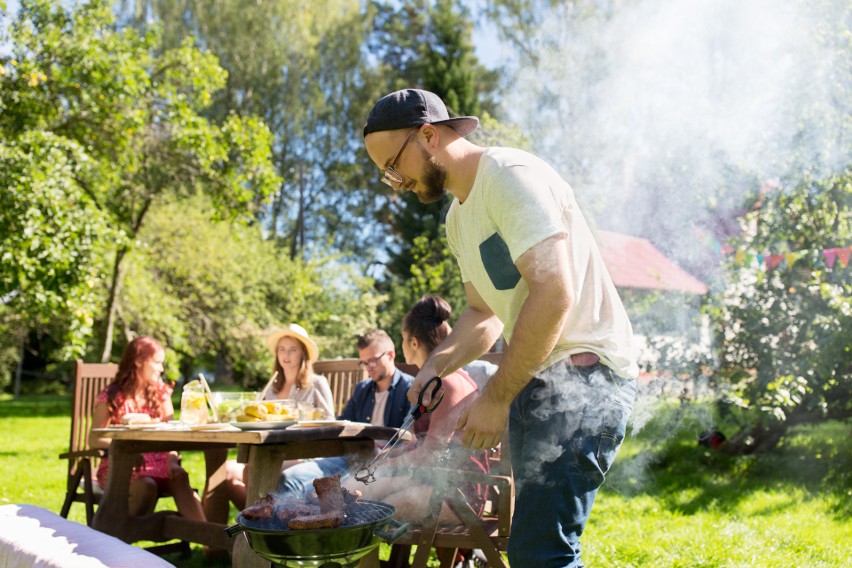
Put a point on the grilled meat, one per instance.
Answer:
(320, 521)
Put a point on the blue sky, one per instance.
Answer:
(485, 40)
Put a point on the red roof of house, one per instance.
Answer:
(636, 263)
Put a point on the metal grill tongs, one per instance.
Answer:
(368, 474)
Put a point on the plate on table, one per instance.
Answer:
(146, 426)
(321, 423)
(265, 425)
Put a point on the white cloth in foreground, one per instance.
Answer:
(32, 536)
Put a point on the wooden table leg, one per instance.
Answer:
(114, 510)
(264, 468)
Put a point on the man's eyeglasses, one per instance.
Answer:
(390, 176)
(372, 361)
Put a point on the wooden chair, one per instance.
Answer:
(488, 531)
(83, 461)
(342, 375)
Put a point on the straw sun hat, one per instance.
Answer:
(298, 333)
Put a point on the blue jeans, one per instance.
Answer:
(297, 480)
(565, 428)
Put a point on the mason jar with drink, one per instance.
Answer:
(193, 404)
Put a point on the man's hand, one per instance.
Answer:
(483, 423)
(423, 377)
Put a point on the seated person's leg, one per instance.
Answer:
(225, 485)
(380, 488)
(412, 506)
(143, 496)
(188, 503)
(297, 481)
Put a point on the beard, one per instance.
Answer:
(434, 178)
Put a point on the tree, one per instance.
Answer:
(212, 289)
(429, 49)
(302, 68)
(784, 322)
(135, 115)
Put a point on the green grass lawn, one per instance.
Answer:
(667, 502)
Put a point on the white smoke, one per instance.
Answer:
(662, 112)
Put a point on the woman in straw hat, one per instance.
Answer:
(295, 354)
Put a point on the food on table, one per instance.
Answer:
(230, 404)
(137, 418)
(256, 410)
(268, 411)
(248, 418)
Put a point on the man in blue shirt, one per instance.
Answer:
(380, 400)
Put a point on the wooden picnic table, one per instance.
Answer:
(262, 450)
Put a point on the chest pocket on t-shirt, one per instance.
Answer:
(498, 263)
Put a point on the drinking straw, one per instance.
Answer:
(209, 397)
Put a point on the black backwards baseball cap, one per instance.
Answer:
(413, 107)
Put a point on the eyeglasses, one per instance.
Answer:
(372, 361)
(390, 176)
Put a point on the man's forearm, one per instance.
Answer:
(535, 334)
(474, 333)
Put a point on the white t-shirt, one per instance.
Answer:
(517, 201)
(378, 418)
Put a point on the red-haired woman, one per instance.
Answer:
(138, 388)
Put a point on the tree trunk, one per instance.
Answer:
(112, 305)
(19, 369)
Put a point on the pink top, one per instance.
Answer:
(156, 464)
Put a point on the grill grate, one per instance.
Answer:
(366, 512)
(362, 512)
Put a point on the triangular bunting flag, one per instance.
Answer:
(843, 255)
(740, 257)
(830, 256)
(773, 260)
(790, 257)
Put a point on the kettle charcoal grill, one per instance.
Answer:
(366, 523)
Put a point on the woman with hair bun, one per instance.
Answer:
(424, 327)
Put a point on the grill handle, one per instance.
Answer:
(391, 537)
(234, 530)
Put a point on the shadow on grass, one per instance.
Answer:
(665, 462)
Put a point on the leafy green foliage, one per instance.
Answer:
(192, 283)
(95, 117)
(50, 239)
(430, 49)
(303, 70)
(784, 331)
